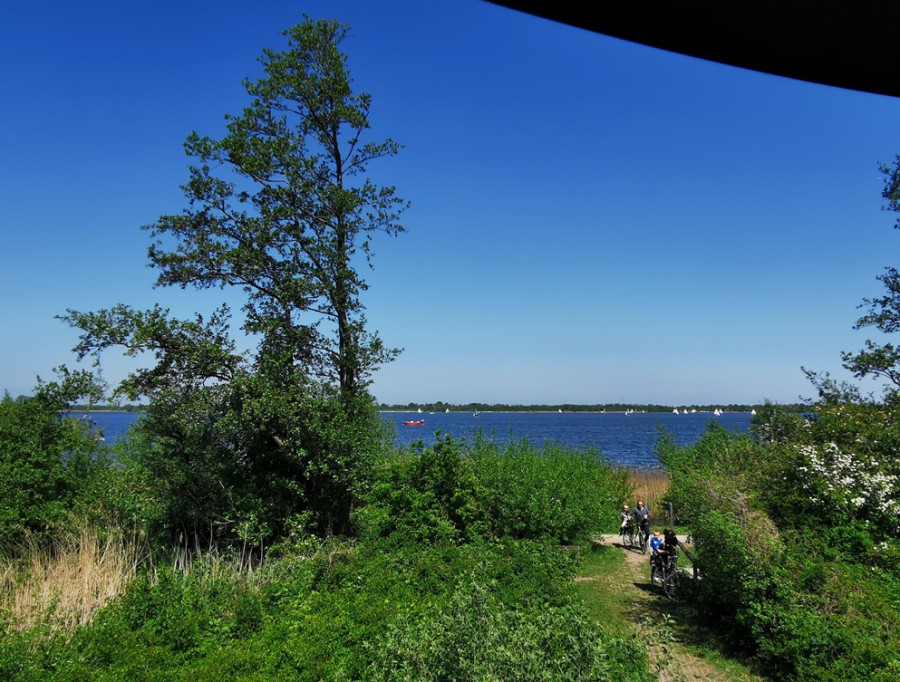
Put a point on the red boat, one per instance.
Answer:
(414, 422)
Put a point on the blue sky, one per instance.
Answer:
(592, 221)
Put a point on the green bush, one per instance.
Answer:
(424, 494)
(709, 473)
(45, 460)
(477, 636)
(557, 492)
(461, 491)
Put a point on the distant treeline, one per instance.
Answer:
(108, 408)
(440, 406)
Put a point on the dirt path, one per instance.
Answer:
(655, 620)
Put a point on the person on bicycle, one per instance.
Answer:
(656, 543)
(642, 515)
(625, 516)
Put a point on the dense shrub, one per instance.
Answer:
(718, 471)
(235, 464)
(45, 460)
(478, 637)
(460, 490)
(425, 494)
(554, 491)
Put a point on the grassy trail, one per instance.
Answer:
(615, 584)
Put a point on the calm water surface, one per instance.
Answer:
(622, 439)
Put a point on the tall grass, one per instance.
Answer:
(62, 585)
(651, 486)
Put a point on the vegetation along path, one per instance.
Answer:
(615, 583)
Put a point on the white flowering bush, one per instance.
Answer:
(849, 483)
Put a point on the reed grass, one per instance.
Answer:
(651, 486)
(62, 585)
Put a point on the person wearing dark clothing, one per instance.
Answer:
(642, 516)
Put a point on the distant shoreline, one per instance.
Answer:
(411, 411)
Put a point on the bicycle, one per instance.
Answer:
(664, 573)
(643, 538)
(628, 534)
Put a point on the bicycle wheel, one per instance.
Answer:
(643, 541)
(656, 575)
(673, 585)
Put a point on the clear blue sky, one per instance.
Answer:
(592, 221)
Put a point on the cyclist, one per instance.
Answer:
(663, 547)
(642, 515)
(656, 542)
(625, 516)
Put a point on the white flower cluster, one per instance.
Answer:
(850, 483)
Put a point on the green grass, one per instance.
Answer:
(600, 585)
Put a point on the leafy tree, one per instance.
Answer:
(279, 207)
(273, 209)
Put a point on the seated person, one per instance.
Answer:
(666, 547)
(656, 544)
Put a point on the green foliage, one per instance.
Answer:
(478, 637)
(714, 473)
(375, 607)
(342, 611)
(237, 462)
(46, 459)
(557, 492)
(789, 534)
(34, 486)
(461, 491)
(424, 494)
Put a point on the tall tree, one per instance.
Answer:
(280, 207)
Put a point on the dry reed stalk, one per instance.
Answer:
(650, 486)
(66, 584)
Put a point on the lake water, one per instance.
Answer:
(622, 439)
